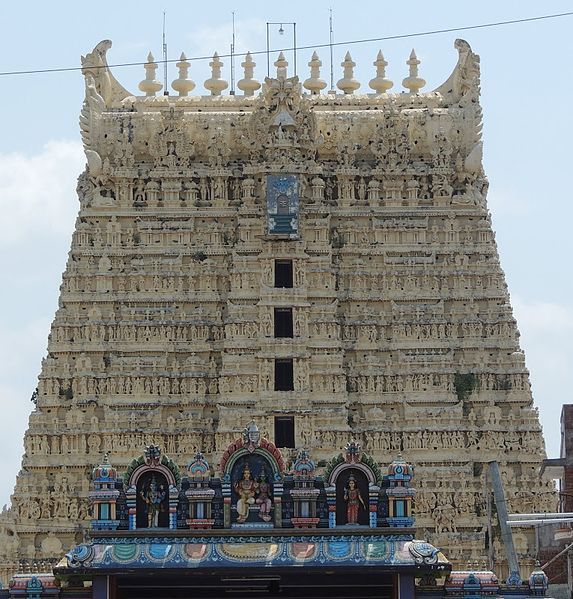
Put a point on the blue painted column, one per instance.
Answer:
(331, 500)
(406, 586)
(373, 494)
(100, 587)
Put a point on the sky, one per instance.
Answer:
(528, 128)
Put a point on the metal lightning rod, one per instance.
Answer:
(233, 57)
(165, 90)
(330, 42)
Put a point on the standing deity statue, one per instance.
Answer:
(153, 496)
(353, 500)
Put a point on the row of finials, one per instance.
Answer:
(249, 85)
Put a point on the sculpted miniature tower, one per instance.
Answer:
(322, 264)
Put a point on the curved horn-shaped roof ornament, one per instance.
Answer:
(465, 78)
(95, 65)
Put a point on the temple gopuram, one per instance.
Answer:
(319, 268)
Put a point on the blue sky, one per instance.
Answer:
(528, 129)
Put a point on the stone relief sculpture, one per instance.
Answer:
(402, 338)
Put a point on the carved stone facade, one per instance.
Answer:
(402, 336)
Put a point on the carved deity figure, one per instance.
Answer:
(263, 500)
(353, 500)
(246, 490)
(165, 330)
(153, 497)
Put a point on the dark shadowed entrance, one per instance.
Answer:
(308, 583)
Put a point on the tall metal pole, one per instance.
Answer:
(556, 557)
(490, 553)
(330, 43)
(281, 31)
(569, 580)
(294, 44)
(268, 53)
(542, 516)
(506, 535)
(233, 57)
(165, 90)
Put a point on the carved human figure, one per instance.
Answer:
(362, 187)
(153, 497)
(353, 500)
(267, 324)
(263, 500)
(246, 490)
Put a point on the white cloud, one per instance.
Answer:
(37, 194)
(547, 330)
(16, 410)
(38, 204)
(21, 351)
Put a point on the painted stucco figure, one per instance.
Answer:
(353, 500)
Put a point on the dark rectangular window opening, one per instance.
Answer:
(283, 273)
(283, 322)
(284, 379)
(284, 431)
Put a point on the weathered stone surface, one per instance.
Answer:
(403, 339)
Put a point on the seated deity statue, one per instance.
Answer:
(253, 492)
(246, 490)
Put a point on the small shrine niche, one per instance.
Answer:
(304, 493)
(253, 490)
(152, 494)
(252, 484)
(200, 494)
(103, 496)
(353, 490)
(152, 501)
(282, 204)
(400, 494)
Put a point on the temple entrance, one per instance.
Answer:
(305, 583)
(152, 501)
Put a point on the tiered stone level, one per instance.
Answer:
(368, 305)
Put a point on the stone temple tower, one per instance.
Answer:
(321, 264)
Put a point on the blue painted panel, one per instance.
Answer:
(282, 204)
